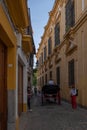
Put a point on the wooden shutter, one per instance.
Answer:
(71, 72)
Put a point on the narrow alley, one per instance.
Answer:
(53, 117)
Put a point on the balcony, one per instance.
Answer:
(27, 44)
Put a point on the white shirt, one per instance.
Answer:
(51, 82)
(73, 91)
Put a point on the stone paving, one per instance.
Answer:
(53, 117)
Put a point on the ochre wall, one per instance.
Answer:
(11, 68)
(79, 54)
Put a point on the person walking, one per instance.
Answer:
(73, 97)
(51, 82)
(28, 98)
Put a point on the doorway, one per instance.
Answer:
(3, 86)
(20, 88)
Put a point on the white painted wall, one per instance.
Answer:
(20, 55)
(83, 6)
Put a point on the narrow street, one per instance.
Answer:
(53, 117)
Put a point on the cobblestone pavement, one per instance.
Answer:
(53, 117)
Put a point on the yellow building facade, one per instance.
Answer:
(63, 49)
(14, 21)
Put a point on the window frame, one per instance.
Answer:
(45, 53)
(57, 34)
(69, 14)
(58, 75)
(71, 72)
(49, 45)
(50, 75)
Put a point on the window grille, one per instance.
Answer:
(70, 14)
(45, 53)
(51, 75)
(58, 75)
(71, 72)
(49, 46)
(57, 34)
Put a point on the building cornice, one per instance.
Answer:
(27, 44)
(81, 20)
(19, 12)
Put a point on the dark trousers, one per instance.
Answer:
(28, 101)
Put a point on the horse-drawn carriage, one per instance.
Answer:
(50, 91)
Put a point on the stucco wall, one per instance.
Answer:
(79, 39)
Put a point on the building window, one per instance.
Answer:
(57, 34)
(70, 14)
(50, 74)
(58, 75)
(49, 46)
(41, 58)
(31, 60)
(82, 5)
(46, 79)
(71, 72)
(45, 53)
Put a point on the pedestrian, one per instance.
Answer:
(51, 82)
(73, 93)
(29, 98)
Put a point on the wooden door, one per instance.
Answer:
(58, 75)
(20, 88)
(3, 87)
